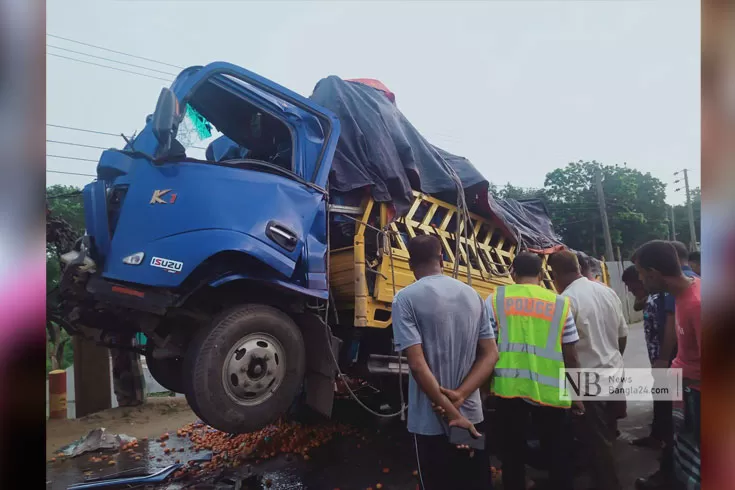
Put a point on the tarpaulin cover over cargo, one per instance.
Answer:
(381, 151)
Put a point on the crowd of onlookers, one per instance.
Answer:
(517, 343)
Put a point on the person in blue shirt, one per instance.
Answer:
(695, 262)
(683, 252)
(648, 303)
(443, 327)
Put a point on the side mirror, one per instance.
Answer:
(165, 120)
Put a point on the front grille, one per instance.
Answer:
(114, 205)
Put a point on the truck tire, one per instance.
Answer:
(246, 370)
(169, 373)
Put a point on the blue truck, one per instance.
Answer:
(253, 285)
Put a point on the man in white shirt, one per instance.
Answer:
(603, 332)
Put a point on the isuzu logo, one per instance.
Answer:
(172, 266)
(159, 195)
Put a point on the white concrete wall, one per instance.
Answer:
(151, 386)
(616, 282)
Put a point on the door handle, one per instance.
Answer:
(281, 235)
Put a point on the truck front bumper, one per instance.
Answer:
(82, 283)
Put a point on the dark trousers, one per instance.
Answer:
(442, 466)
(662, 427)
(554, 435)
(596, 430)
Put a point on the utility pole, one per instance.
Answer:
(673, 225)
(692, 232)
(609, 255)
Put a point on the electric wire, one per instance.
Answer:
(103, 133)
(110, 60)
(72, 158)
(114, 51)
(108, 67)
(64, 196)
(82, 130)
(76, 144)
(328, 335)
(69, 173)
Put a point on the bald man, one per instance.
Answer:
(603, 332)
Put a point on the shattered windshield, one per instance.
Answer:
(220, 126)
(195, 133)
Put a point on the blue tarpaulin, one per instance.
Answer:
(380, 150)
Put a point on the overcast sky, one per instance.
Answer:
(518, 87)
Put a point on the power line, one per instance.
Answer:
(76, 144)
(584, 207)
(572, 222)
(572, 206)
(64, 196)
(69, 173)
(113, 51)
(111, 60)
(109, 67)
(97, 132)
(82, 130)
(72, 158)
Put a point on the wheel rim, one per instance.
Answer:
(254, 369)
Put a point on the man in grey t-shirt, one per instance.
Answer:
(443, 327)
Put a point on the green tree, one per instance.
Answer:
(64, 224)
(635, 206)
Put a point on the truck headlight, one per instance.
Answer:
(135, 259)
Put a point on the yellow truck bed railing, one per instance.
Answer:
(362, 276)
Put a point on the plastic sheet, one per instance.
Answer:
(380, 150)
(96, 440)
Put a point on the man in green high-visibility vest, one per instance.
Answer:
(536, 338)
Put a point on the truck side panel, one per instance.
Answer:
(490, 252)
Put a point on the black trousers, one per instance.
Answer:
(596, 430)
(662, 427)
(444, 467)
(554, 434)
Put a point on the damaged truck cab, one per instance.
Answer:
(214, 260)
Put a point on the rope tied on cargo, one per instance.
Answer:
(462, 227)
(328, 330)
(400, 357)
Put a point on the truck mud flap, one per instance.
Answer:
(320, 368)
